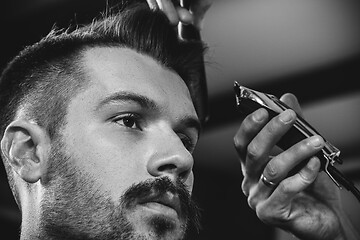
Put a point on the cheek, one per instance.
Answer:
(190, 182)
(115, 163)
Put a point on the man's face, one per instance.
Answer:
(133, 124)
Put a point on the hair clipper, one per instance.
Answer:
(248, 100)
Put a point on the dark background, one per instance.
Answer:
(273, 46)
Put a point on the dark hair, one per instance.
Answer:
(42, 79)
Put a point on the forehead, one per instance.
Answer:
(114, 69)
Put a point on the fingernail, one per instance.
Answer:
(286, 116)
(316, 141)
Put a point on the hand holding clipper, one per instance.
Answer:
(248, 100)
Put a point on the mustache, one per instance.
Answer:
(162, 186)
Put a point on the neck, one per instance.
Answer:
(30, 214)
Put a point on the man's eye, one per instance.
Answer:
(129, 120)
(188, 143)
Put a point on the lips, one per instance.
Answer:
(168, 199)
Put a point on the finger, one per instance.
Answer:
(297, 183)
(250, 126)
(259, 148)
(280, 207)
(168, 7)
(278, 167)
(281, 199)
(259, 192)
(152, 4)
(184, 15)
(324, 188)
(291, 100)
(254, 143)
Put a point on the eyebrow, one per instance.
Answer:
(124, 96)
(146, 103)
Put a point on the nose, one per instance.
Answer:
(170, 158)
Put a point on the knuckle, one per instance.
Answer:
(284, 188)
(237, 143)
(305, 145)
(306, 176)
(271, 170)
(247, 123)
(245, 185)
(252, 202)
(253, 152)
(245, 188)
(250, 125)
(243, 169)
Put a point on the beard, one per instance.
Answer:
(74, 208)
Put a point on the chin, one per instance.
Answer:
(149, 225)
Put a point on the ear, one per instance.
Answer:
(26, 146)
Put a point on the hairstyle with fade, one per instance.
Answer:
(41, 80)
